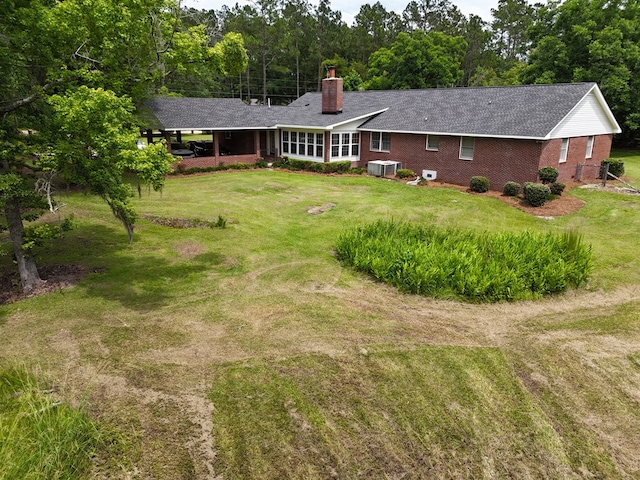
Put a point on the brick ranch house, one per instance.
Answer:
(502, 133)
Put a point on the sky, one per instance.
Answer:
(350, 8)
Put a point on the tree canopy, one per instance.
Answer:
(72, 73)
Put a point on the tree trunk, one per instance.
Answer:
(29, 276)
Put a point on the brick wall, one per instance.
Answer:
(577, 155)
(203, 162)
(500, 160)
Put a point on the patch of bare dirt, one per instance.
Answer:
(321, 209)
(56, 277)
(189, 249)
(178, 222)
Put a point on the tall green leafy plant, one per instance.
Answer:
(455, 263)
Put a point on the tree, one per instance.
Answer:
(330, 32)
(478, 56)
(433, 15)
(591, 40)
(418, 60)
(72, 71)
(96, 144)
(374, 28)
(511, 21)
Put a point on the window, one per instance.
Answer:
(380, 141)
(307, 144)
(320, 145)
(563, 150)
(301, 140)
(466, 148)
(345, 145)
(335, 144)
(432, 142)
(589, 147)
(355, 144)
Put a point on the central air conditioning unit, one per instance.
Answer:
(382, 168)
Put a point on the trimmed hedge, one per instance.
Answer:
(511, 189)
(309, 166)
(536, 193)
(477, 267)
(548, 174)
(479, 184)
(405, 173)
(557, 188)
(616, 167)
(182, 170)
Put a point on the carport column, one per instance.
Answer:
(256, 142)
(167, 137)
(327, 147)
(216, 147)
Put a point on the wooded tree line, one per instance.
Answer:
(432, 44)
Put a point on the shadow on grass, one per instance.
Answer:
(136, 275)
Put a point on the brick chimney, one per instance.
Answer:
(332, 93)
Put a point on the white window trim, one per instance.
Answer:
(473, 148)
(590, 141)
(379, 148)
(341, 144)
(433, 149)
(564, 150)
(304, 155)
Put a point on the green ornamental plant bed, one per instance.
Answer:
(453, 263)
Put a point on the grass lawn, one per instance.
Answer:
(249, 352)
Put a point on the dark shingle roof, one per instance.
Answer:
(530, 111)
(187, 113)
(515, 111)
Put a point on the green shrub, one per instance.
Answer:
(453, 263)
(316, 167)
(337, 167)
(479, 184)
(261, 163)
(357, 171)
(511, 189)
(311, 166)
(295, 164)
(536, 193)
(405, 173)
(239, 166)
(220, 223)
(557, 188)
(616, 167)
(548, 174)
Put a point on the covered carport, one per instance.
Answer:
(239, 132)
